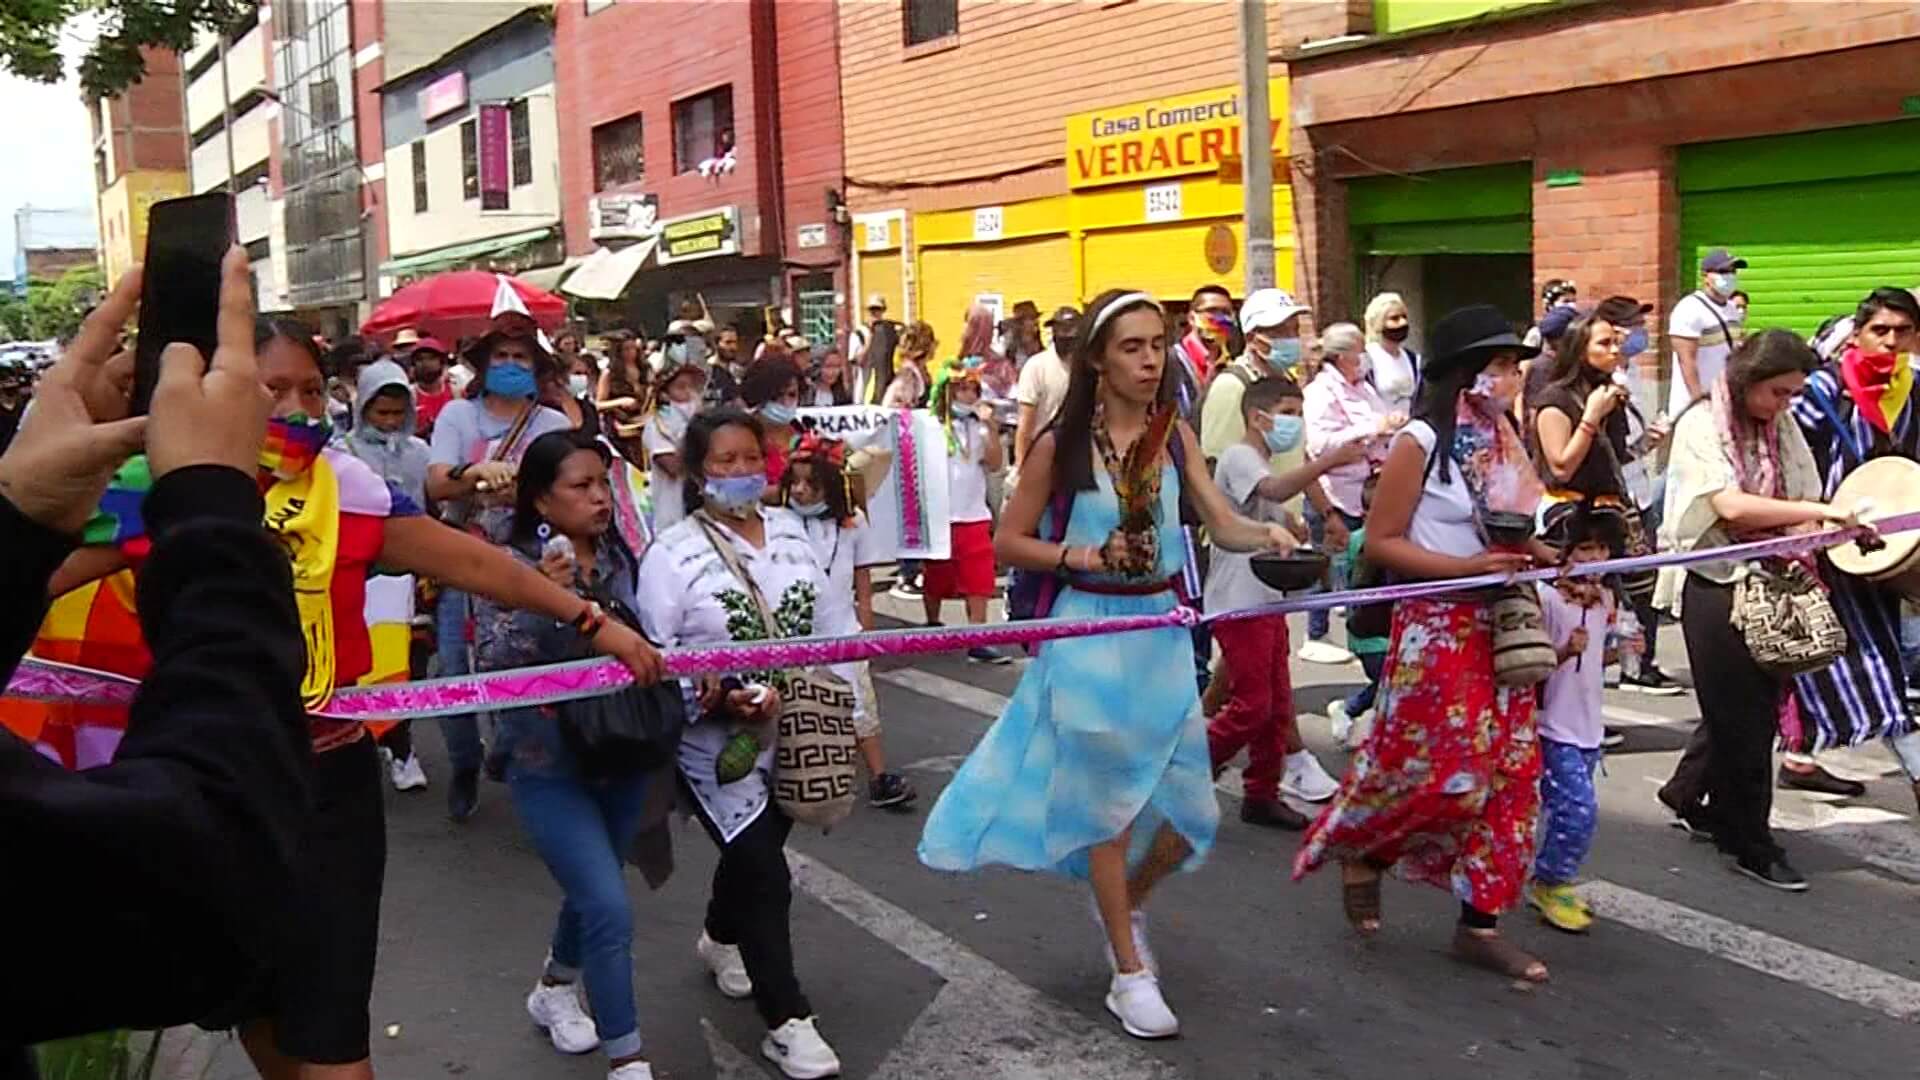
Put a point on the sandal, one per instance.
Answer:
(1361, 902)
(1487, 949)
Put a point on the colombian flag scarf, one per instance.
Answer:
(1879, 383)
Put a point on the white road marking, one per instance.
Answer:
(965, 695)
(1879, 838)
(985, 1024)
(1836, 976)
(1636, 718)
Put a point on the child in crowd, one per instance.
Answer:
(1258, 714)
(818, 487)
(384, 439)
(1346, 715)
(1578, 612)
(681, 386)
(973, 450)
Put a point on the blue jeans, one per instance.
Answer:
(1372, 663)
(1320, 620)
(462, 733)
(1569, 809)
(581, 828)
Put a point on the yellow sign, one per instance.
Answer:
(1177, 136)
(700, 236)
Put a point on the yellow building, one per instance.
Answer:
(1152, 201)
(123, 214)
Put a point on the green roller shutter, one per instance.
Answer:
(1486, 210)
(1820, 217)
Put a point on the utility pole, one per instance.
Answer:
(226, 106)
(1256, 143)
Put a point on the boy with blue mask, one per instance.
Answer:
(1258, 715)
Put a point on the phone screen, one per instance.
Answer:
(180, 291)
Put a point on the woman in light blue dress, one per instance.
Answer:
(1098, 768)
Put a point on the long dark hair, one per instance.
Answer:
(880, 350)
(267, 328)
(539, 471)
(1763, 356)
(1072, 427)
(768, 378)
(1439, 403)
(698, 442)
(1572, 373)
(832, 484)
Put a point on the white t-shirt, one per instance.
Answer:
(1700, 317)
(1043, 385)
(966, 476)
(1443, 520)
(1394, 376)
(1570, 703)
(840, 551)
(669, 500)
(1231, 585)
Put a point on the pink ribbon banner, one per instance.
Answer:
(41, 680)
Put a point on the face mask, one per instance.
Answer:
(578, 384)
(777, 412)
(293, 442)
(1396, 334)
(734, 495)
(1635, 344)
(683, 410)
(1285, 433)
(1724, 284)
(1489, 390)
(510, 380)
(809, 510)
(1284, 353)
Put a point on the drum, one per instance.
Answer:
(1891, 486)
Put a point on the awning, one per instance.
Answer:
(453, 254)
(605, 273)
(548, 277)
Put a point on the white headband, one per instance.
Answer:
(1125, 300)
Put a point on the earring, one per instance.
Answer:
(543, 532)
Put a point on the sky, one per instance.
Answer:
(45, 142)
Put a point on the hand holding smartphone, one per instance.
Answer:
(180, 295)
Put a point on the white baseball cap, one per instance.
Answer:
(876, 301)
(1267, 308)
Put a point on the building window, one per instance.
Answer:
(470, 159)
(619, 155)
(520, 125)
(702, 128)
(323, 101)
(930, 20)
(419, 176)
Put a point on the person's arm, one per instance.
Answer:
(1394, 501)
(1015, 541)
(992, 453)
(863, 596)
(1686, 354)
(1024, 430)
(1564, 445)
(34, 555)
(86, 564)
(1230, 531)
(1744, 512)
(1306, 477)
(420, 545)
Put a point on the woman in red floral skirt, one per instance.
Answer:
(1447, 785)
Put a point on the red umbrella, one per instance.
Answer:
(458, 304)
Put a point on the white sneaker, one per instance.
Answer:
(1135, 1001)
(1339, 724)
(632, 1070)
(1306, 780)
(1140, 944)
(729, 971)
(797, 1048)
(1324, 652)
(556, 1009)
(406, 773)
(1362, 727)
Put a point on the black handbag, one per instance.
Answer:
(633, 729)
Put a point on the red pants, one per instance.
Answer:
(1259, 714)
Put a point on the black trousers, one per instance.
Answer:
(751, 907)
(1739, 716)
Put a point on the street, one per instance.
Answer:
(1690, 971)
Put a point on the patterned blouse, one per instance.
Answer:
(687, 596)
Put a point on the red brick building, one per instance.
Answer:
(1611, 144)
(699, 142)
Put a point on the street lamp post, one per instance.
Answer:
(1256, 143)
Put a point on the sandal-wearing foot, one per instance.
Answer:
(1361, 902)
(1487, 949)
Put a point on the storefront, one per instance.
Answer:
(1821, 217)
(992, 255)
(879, 262)
(1444, 239)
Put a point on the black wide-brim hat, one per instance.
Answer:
(1469, 336)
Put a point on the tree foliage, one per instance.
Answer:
(31, 32)
(51, 309)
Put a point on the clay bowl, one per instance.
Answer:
(1290, 573)
(1508, 529)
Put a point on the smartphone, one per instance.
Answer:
(180, 291)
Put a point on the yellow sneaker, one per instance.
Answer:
(1561, 907)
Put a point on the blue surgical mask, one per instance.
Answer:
(510, 380)
(734, 494)
(778, 412)
(1285, 354)
(1285, 433)
(1635, 344)
(1724, 283)
(809, 510)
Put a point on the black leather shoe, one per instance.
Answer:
(1820, 782)
(463, 795)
